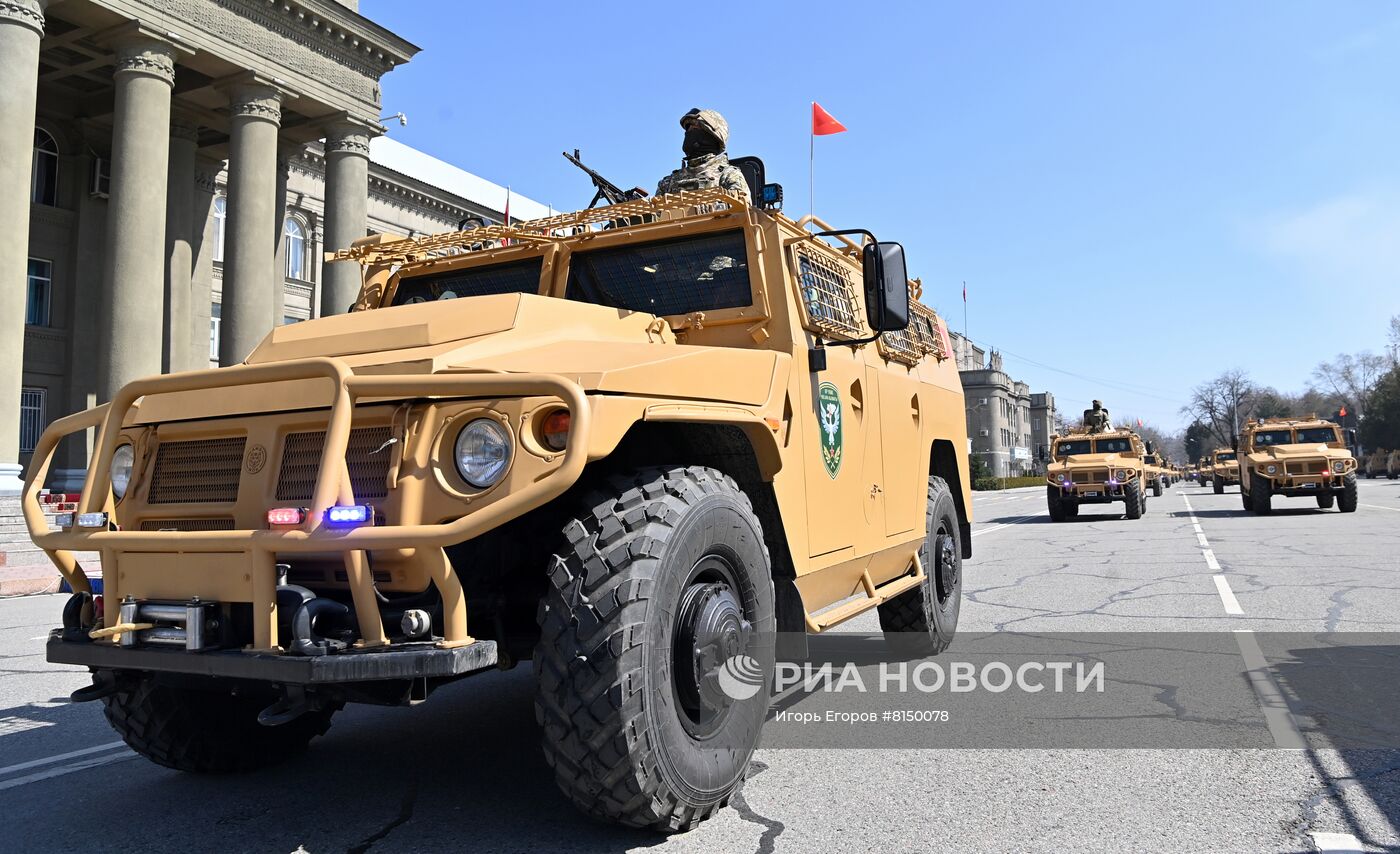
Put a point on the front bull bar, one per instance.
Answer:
(332, 487)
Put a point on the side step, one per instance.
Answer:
(874, 596)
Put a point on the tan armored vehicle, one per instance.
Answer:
(1374, 464)
(1392, 465)
(1156, 472)
(1297, 458)
(633, 443)
(1096, 468)
(1224, 469)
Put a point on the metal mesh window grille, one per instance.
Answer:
(519, 277)
(828, 294)
(669, 277)
(31, 418)
(365, 456)
(198, 471)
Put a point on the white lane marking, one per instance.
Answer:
(1376, 507)
(1201, 538)
(1211, 562)
(1197, 526)
(1337, 843)
(1015, 521)
(1232, 605)
(49, 773)
(1280, 721)
(49, 760)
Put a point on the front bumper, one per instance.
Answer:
(406, 661)
(242, 563)
(1092, 493)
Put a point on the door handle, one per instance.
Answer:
(857, 396)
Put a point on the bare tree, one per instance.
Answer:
(1223, 403)
(1393, 335)
(1351, 378)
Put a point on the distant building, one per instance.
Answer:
(1008, 427)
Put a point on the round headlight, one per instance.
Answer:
(482, 452)
(122, 461)
(1339, 467)
(1121, 474)
(1273, 469)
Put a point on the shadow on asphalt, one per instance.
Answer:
(1278, 511)
(461, 772)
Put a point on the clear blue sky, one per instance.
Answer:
(1141, 195)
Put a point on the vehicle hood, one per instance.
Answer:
(1287, 453)
(1095, 461)
(603, 349)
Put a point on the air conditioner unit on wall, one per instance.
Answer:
(101, 187)
(982, 401)
(986, 433)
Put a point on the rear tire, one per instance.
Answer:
(1133, 500)
(658, 586)
(207, 729)
(1261, 494)
(1346, 500)
(923, 621)
(1326, 500)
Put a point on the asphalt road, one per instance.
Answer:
(463, 772)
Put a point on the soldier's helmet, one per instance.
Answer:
(1097, 404)
(710, 121)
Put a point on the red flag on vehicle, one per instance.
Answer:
(1343, 412)
(824, 123)
(1139, 422)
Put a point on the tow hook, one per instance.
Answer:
(104, 684)
(293, 703)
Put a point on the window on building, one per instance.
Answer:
(31, 418)
(215, 311)
(288, 320)
(36, 311)
(43, 181)
(295, 248)
(220, 220)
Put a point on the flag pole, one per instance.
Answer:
(965, 310)
(811, 164)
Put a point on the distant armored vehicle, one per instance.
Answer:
(1224, 469)
(1296, 458)
(1096, 468)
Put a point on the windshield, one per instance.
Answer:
(1120, 445)
(1225, 456)
(1309, 435)
(701, 273)
(1078, 446)
(1266, 438)
(517, 277)
(1150, 458)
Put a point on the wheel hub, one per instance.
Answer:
(946, 552)
(710, 632)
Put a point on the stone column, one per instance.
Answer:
(133, 293)
(21, 27)
(202, 277)
(256, 109)
(180, 238)
(285, 154)
(347, 202)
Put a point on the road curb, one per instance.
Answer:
(48, 583)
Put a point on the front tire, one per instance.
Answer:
(1261, 495)
(1219, 485)
(656, 589)
(1055, 503)
(1156, 487)
(923, 621)
(1134, 500)
(207, 729)
(1347, 498)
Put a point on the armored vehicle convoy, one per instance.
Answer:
(632, 443)
(1096, 468)
(1374, 464)
(1224, 469)
(1296, 458)
(1392, 465)
(1157, 474)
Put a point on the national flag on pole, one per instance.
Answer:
(1343, 412)
(824, 123)
(1139, 422)
(964, 291)
(506, 217)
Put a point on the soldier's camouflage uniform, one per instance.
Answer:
(704, 172)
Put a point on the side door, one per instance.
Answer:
(836, 438)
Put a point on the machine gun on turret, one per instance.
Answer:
(607, 190)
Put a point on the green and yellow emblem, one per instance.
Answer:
(829, 412)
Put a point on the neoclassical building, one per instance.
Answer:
(171, 172)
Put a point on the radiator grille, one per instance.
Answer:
(187, 525)
(301, 461)
(1309, 467)
(1091, 477)
(201, 471)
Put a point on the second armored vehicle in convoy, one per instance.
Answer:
(634, 443)
(1296, 458)
(1224, 469)
(1158, 474)
(1374, 464)
(1096, 468)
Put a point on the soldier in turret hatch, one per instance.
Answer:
(706, 165)
(1096, 419)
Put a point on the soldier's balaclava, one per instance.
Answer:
(699, 142)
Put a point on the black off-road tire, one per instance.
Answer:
(207, 729)
(1156, 487)
(1219, 485)
(1055, 502)
(1134, 502)
(1347, 498)
(1261, 495)
(606, 696)
(1071, 509)
(923, 621)
(1326, 500)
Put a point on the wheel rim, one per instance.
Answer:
(711, 636)
(945, 554)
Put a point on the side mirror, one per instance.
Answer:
(886, 287)
(1235, 441)
(1351, 436)
(1149, 448)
